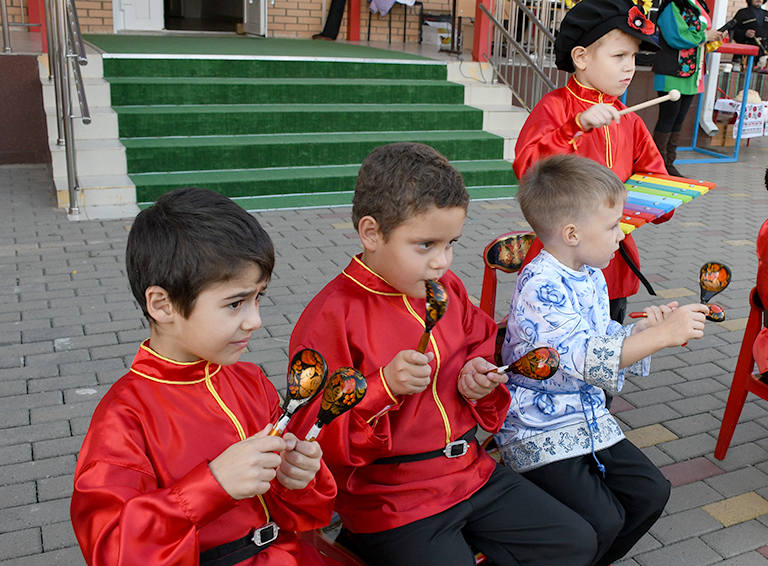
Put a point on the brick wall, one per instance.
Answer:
(733, 7)
(15, 11)
(95, 15)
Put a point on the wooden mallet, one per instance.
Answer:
(673, 95)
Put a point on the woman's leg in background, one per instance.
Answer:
(674, 136)
(666, 134)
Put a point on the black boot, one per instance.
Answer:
(662, 141)
(674, 139)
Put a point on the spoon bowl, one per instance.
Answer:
(306, 377)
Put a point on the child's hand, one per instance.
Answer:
(597, 116)
(477, 379)
(409, 372)
(655, 315)
(246, 468)
(683, 324)
(300, 462)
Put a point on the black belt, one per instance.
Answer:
(231, 553)
(452, 450)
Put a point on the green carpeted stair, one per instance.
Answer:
(284, 130)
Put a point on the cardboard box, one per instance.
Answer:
(436, 33)
(719, 138)
(729, 140)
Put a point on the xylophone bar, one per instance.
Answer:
(645, 212)
(667, 204)
(651, 196)
(704, 186)
(685, 195)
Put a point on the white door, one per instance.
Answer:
(255, 17)
(139, 15)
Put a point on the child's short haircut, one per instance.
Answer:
(190, 239)
(566, 188)
(400, 180)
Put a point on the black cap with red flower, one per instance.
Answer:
(589, 20)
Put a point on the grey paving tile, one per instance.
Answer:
(694, 424)
(742, 456)
(739, 481)
(695, 405)
(692, 551)
(689, 447)
(735, 540)
(20, 543)
(690, 496)
(747, 559)
(684, 525)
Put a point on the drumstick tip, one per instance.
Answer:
(674, 95)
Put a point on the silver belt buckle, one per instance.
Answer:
(266, 534)
(456, 448)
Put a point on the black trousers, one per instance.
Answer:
(672, 114)
(620, 507)
(333, 22)
(510, 520)
(618, 309)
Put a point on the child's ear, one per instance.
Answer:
(159, 306)
(579, 57)
(570, 235)
(369, 232)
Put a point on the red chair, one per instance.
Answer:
(744, 381)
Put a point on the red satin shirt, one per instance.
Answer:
(359, 320)
(143, 491)
(625, 147)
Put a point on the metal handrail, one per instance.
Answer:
(7, 24)
(77, 53)
(67, 46)
(522, 54)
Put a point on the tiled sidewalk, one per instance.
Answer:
(70, 328)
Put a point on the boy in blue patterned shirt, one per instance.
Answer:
(558, 433)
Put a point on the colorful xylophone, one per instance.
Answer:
(653, 195)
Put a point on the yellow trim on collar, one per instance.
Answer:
(169, 360)
(344, 272)
(166, 381)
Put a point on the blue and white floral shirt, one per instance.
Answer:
(564, 416)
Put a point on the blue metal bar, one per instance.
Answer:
(719, 157)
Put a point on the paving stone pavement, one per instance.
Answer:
(70, 328)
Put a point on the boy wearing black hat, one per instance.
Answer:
(597, 42)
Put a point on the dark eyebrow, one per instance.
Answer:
(238, 296)
(243, 294)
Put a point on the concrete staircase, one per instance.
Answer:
(500, 117)
(106, 191)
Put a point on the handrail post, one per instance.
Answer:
(69, 138)
(6, 25)
(49, 37)
(55, 69)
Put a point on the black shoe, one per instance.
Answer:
(321, 36)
